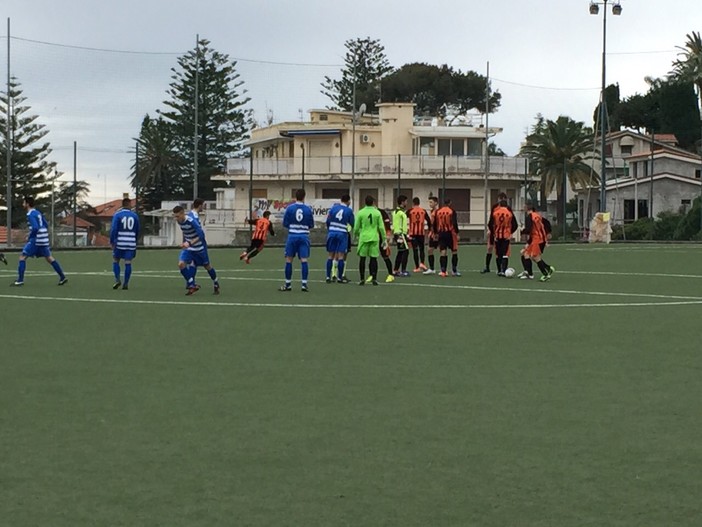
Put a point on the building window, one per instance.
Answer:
(444, 147)
(334, 192)
(426, 146)
(404, 191)
(458, 147)
(630, 213)
(698, 173)
(685, 206)
(259, 193)
(460, 201)
(627, 149)
(475, 147)
(363, 192)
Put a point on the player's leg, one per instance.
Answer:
(304, 254)
(405, 256)
(415, 254)
(488, 255)
(422, 256)
(398, 256)
(373, 253)
(213, 274)
(21, 268)
(3, 259)
(331, 252)
(454, 255)
(528, 273)
(433, 245)
(53, 262)
(340, 259)
(116, 271)
(127, 272)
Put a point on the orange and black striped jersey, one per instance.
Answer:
(445, 220)
(502, 223)
(418, 217)
(262, 226)
(534, 228)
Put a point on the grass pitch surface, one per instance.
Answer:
(472, 401)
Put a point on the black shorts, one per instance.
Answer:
(447, 240)
(401, 242)
(542, 245)
(256, 244)
(348, 242)
(433, 242)
(417, 241)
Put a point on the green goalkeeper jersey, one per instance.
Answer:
(369, 225)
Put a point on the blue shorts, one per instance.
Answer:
(199, 258)
(32, 251)
(338, 242)
(297, 246)
(124, 254)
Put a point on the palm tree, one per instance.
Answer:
(560, 149)
(688, 66)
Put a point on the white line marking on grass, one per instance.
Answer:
(342, 306)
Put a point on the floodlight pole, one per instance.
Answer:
(8, 145)
(353, 134)
(197, 99)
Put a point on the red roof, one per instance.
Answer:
(666, 138)
(108, 209)
(80, 222)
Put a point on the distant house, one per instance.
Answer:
(101, 215)
(645, 176)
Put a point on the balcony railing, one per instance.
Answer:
(377, 165)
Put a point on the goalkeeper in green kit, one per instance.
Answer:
(367, 228)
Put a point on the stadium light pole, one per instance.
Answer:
(594, 10)
(8, 145)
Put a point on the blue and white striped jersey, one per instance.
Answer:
(340, 218)
(125, 230)
(298, 219)
(192, 231)
(38, 228)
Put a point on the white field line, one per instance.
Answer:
(398, 283)
(342, 306)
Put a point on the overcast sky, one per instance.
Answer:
(545, 57)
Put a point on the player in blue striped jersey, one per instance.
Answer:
(194, 251)
(123, 239)
(298, 219)
(37, 243)
(339, 219)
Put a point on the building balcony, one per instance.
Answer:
(377, 167)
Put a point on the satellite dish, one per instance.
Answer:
(362, 109)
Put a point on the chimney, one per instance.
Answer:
(125, 195)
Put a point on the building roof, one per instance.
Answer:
(107, 210)
(80, 222)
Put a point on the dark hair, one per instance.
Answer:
(178, 209)
(197, 202)
(433, 198)
(415, 201)
(502, 203)
(300, 194)
(501, 196)
(530, 205)
(345, 198)
(369, 200)
(126, 203)
(267, 213)
(401, 198)
(29, 200)
(447, 201)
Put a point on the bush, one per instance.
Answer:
(689, 226)
(639, 230)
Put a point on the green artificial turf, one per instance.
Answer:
(471, 401)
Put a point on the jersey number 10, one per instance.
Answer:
(128, 223)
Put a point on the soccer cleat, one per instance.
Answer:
(443, 274)
(248, 260)
(545, 278)
(63, 281)
(525, 276)
(192, 290)
(423, 267)
(455, 273)
(125, 287)
(369, 279)
(485, 271)
(342, 280)
(328, 280)
(429, 271)
(501, 274)
(304, 288)
(551, 270)
(405, 274)
(397, 273)
(374, 282)
(116, 284)
(522, 274)
(242, 256)
(362, 282)
(17, 283)
(389, 279)
(417, 270)
(284, 288)
(3, 259)
(216, 289)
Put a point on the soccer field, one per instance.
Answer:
(471, 401)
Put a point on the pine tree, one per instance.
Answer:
(160, 176)
(371, 65)
(29, 165)
(223, 121)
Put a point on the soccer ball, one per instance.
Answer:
(509, 273)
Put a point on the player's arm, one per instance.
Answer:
(113, 230)
(34, 225)
(381, 225)
(515, 225)
(199, 233)
(454, 221)
(328, 220)
(286, 218)
(310, 218)
(528, 225)
(270, 229)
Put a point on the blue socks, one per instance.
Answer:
(341, 264)
(20, 270)
(305, 272)
(330, 264)
(58, 269)
(213, 274)
(116, 271)
(288, 272)
(127, 273)
(188, 275)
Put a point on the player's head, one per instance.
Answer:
(198, 204)
(502, 203)
(300, 194)
(433, 202)
(402, 201)
(179, 213)
(28, 202)
(501, 197)
(345, 199)
(529, 206)
(126, 203)
(267, 214)
(415, 202)
(447, 202)
(369, 201)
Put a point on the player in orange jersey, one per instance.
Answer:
(446, 227)
(502, 225)
(432, 235)
(262, 226)
(491, 240)
(536, 241)
(419, 223)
